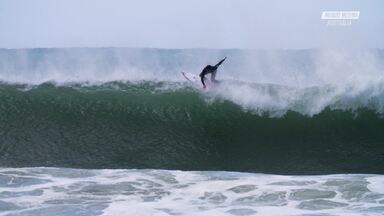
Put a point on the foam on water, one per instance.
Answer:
(276, 100)
(63, 191)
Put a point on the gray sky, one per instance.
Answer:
(268, 24)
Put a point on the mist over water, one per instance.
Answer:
(301, 68)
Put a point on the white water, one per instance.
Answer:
(63, 191)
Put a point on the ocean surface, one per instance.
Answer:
(115, 131)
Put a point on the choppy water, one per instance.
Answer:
(62, 191)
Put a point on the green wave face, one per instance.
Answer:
(146, 125)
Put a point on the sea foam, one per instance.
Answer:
(55, 191)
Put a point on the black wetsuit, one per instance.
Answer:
(212, 70)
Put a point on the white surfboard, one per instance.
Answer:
(196, 80)
(191, 77)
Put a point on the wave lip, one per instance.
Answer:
(163, 192)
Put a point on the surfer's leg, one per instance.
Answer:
(202, 79)
(213, 76)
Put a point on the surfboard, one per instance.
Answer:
(192, 77)
(195, 79)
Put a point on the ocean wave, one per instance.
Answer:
(176, 126)
(263, 82)
(283, 111)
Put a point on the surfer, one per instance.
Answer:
(212, 70)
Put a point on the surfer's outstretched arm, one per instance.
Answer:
(218, 64)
